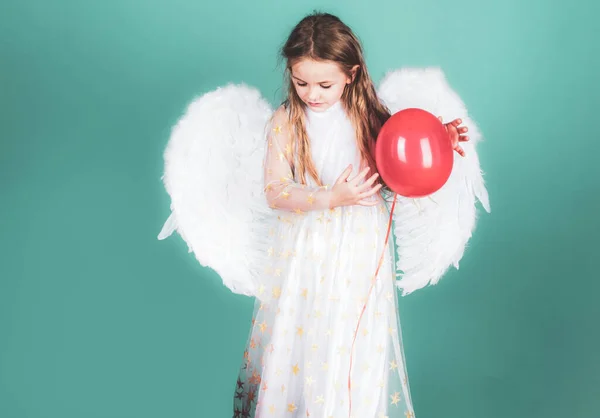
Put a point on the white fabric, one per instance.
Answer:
(333, 143)
(316, 282)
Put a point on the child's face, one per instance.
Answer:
(319, 84)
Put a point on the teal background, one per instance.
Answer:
(99, 319)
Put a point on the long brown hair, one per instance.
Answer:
(324, 37)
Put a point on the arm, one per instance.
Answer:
(280, 189)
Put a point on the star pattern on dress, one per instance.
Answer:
(295, 369)
(310, 291)
(262, 326)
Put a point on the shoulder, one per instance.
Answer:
(280, 117)
(280, 122)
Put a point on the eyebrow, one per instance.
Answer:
(321, 82)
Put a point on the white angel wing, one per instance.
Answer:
(213, 174)
(432, 232)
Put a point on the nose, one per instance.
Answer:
(313, 95)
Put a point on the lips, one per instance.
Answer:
(315, 104)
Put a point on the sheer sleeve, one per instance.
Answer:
(280, 189)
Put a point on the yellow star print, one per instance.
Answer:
(263, 326)
(295, 369)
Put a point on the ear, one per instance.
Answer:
(353, 73)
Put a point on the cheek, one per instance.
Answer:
(303, 93)
(336, 91)
(299, 91)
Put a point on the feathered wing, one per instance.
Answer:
(214, 176)
(432, 232)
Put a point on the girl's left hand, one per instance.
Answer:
(456, 134)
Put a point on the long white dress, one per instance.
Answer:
(321, 264)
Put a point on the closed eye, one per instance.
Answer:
(304, 85)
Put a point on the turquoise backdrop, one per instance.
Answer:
(98, 319)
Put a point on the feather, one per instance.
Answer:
(432, 232)
(213, 174)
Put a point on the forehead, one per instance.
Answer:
(316, 71)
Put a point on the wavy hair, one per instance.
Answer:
(324, 37)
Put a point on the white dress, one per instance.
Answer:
(321, 265)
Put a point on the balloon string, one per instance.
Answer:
(387, 235)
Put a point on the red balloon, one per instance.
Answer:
(413, 153)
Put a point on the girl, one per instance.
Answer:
(306, 353)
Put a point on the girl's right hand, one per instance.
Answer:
(351, 192)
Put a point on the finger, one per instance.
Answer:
(368, 202)
(456, 122)
(463, 130)
(360, 175)
(463, 138)
(344, 176)
(460, 151)
(441, 119)
(370, 192)
(367, 184)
